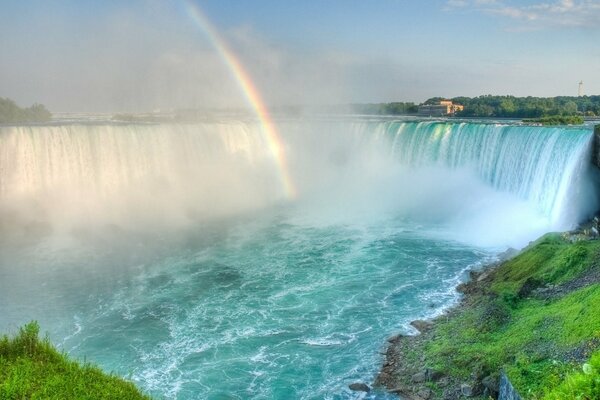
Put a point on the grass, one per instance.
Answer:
(531, 339)
(31, 368)
(557, 120)
(582, 384)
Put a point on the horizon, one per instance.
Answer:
(107, 57)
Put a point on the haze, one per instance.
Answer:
(107, 56)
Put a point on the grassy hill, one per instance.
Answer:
(31, 368)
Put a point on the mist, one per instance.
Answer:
(147, 56)
(161, 180)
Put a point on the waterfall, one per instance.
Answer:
(548, 166)
(120, 172)
(109, 172)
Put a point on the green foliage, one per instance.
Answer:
(434, 100)
(550, 260)
(31, 368)
(527, 337)
(396, 108)
(581, 384)
(557, 120)
(11, 113)
(493, 314)
(524, 107)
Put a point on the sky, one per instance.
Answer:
(144, 55)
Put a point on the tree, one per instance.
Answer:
(10, 112)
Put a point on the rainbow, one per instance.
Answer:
(251, 93)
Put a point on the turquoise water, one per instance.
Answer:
(271, 307)
(167, 255)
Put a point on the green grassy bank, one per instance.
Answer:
(536, 317)
(31, 368)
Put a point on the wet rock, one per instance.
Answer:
(421, 325)
(394, 339)
(484, 275)
(359, 387)
(473, 274)
(384, 377)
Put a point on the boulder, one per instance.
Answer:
(422, 325)
(394, 339)
(466, 390)
(419, 377)
(359, 387)
(491, 383)
(433, 375)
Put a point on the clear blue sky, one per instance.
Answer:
(84, 55)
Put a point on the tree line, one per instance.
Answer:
(10, 112)
(527, 107)
(496, 106)
(395, 108)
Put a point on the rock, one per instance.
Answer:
(462, 288)
(406, 394)
(359, 387)
(419, 377)
(466, 390)
(444, 381)
(508, 253)
(424, 393)
(484, 275)
(491, 385)
(394, 339)
(433, 375)
(451, 394)
(421, 325)
(402, 391)
(474, 275)
(506, 389)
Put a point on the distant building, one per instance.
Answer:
(444, 108)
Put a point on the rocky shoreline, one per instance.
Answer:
(406, 375)
(409, 369)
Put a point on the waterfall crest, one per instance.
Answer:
(176, 173)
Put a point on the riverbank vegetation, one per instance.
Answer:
(556, 120)
(527, 107)
(31, 368)
(534, 317)
(489, 106)
(395, 108)
(11, 113)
